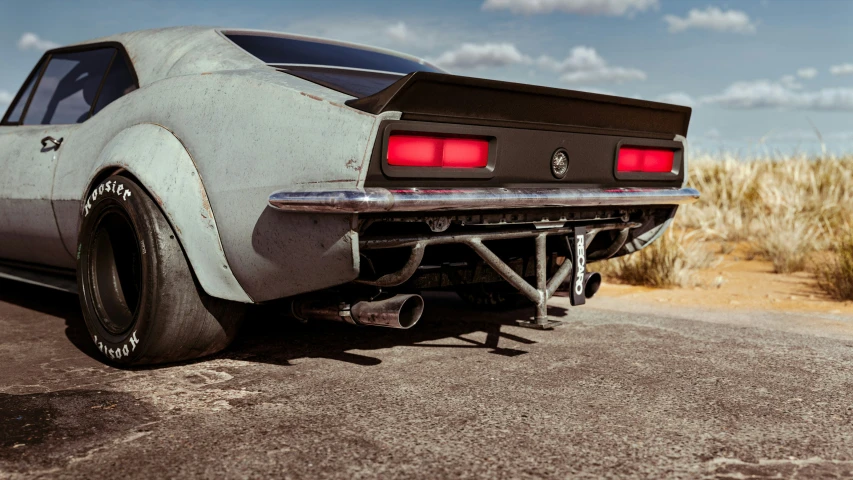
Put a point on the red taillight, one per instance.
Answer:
(645, 160)
(422, 151)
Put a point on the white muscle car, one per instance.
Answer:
(172, 177)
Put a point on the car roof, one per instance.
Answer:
(166, 52)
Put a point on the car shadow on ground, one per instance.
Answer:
(63, 305)
(269, 338)
(272, 338)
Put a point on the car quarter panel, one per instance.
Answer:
(249, 133)
(157, 158)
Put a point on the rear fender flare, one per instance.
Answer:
(158, 160)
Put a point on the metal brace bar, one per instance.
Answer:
(544, 289)
(504, 270)
(542, 279)
(559, 277)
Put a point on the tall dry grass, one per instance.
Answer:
(668, 262)
(835, 274)
(787, 209)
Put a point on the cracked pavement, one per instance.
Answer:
(621, 390)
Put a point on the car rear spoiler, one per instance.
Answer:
(439, 97)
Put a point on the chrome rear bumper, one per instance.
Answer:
(378, 200)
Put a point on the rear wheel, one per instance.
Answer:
(140, 300)
(493, 296)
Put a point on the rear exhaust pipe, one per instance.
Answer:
(400, 311)
(591, 284)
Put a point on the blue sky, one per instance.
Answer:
(761, 75)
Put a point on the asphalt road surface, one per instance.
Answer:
(621, 390)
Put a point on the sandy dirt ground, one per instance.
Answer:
(629, 387)
(739, 282)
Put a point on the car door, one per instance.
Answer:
(59, 96)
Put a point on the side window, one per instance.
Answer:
(119, 82)
(17, 109)
(68, 87)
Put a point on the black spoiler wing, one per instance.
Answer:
(439, 97)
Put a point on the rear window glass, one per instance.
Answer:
(351, 82)
(290, 51)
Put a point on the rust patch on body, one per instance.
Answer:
(353, 164)
(157, 199)
(312, 97)
(205, 203)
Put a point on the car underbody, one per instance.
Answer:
(535, 250)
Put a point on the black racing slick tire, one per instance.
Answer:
(498, 297)
(141, 302)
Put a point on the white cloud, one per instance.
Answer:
(712, 18)
(5, 99)
(580, 7)
(843, 69)
(807, 73)
(31, 41)
(399, 31)
(580, 58)
(768, 94)
(585, 66)
(481, 55)
(790, 81)
(603, 75)
(677, 98)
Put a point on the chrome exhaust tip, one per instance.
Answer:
(591, 284)
(399, 311)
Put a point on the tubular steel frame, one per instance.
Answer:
(539, 294)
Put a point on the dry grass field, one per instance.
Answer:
(796, 214)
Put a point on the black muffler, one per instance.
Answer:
(400, 311)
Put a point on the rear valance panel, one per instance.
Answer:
(454, 99)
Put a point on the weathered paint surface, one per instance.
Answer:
(249, 131)
(28, 230)
(211, 133)
(158, 159)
